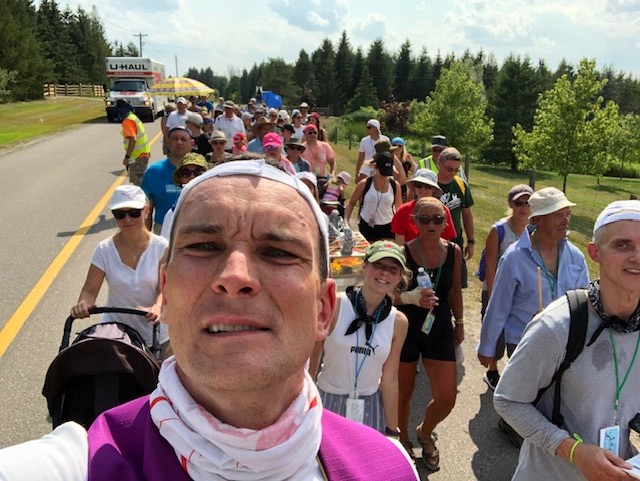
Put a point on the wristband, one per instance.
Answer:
(127, 156)
(471, 241)
(392, 432)
(573, 448)
(459, 322)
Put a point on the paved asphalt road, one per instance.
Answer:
(47, 189)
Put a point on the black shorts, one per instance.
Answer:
(439, 345)
(376, 232)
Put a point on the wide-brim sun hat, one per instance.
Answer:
(427, 177)
(547, 201)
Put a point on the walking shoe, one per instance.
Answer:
(491, 378)
(512, 435)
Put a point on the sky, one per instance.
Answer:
(229, 35)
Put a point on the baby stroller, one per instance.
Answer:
(107, 365)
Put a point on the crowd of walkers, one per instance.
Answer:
(408, 308)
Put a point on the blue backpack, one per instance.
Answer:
(482, 266)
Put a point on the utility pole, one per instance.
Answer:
(140, 35)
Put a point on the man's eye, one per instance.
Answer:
(203, 246)
(278, 253)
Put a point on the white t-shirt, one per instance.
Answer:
(132, 288)
(367, 145)
(176, 120)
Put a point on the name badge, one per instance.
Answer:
(610, 439)
(355, 410)
(428, 323)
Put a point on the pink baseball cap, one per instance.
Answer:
(271, 140)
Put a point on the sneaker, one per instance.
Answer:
(491, 378)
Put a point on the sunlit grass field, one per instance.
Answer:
(23, 121)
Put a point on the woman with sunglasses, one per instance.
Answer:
(432, 335)
(129, 261)
(362, 351)
(423, 184)
(314, 119)
(503, 233)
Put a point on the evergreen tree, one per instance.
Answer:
(512, 101)
(323, 61)
(344, 64)
(358, 66)
(303, 71)
(421, 80)
(403, 66)
(21, 60)
(365, 95)
(380, 68)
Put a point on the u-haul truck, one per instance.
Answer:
(130, 79)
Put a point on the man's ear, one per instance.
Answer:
(326, 307)
(163, 282)
(592, 249)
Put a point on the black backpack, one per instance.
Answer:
(575, 344)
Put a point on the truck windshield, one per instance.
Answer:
(131, 85)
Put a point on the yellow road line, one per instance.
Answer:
(20, 316)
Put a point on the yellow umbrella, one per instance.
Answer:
(181, 86)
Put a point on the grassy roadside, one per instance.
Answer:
(23, 121)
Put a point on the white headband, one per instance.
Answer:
(260, 168)
(617, 211)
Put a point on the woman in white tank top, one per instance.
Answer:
(359, 376)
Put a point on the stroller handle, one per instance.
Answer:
(155, 348)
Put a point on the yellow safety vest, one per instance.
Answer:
(142, 147)
(422, 164)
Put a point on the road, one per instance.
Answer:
(48, 189)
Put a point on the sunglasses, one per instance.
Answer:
(121, 214)
(295, 147)
(520, 203)
(219, 142)
(369, 127)
(184, 173)
(418, 185)
(436, 149)
(426, 220)
(312, 132)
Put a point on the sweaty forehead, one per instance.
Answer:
(244, 198)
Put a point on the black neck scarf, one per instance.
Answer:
(357, 301)
(614, 322)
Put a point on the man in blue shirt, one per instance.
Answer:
(517, 294)
(157, 182)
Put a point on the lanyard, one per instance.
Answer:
(435, 282)
(551, 279)
(364, 356)
(626, 376)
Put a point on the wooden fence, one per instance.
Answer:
(81, 90)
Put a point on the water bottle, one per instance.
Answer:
(423, 279)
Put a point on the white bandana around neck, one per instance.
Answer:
(208, 449)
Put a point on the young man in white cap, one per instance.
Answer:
(532, 273)
(246, 296)
(367, 149)
(178, 118)
(600, 392)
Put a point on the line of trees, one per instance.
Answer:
(51, 45)
(344, 79)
